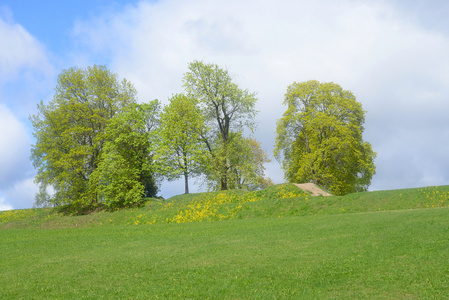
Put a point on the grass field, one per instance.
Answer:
(277, 243)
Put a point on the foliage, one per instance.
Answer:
(180, 150)
(125, 171)
(70, 134)
(228, 110)
(245, 164)
(320, 138)
(224, 104)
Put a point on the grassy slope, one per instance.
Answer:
(276, 201)
(325, 254)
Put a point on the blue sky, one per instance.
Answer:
(392, 54)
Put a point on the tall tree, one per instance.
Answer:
(227, 109)
(320, 138)
(180, 151)
(70, 132)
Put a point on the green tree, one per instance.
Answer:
(320, 138)
(180, 149)
(227, 110)
(70, 133)
(247, 161)
(125, 173)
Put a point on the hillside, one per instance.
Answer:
(275, 201)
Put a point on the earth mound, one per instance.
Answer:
(313, 188)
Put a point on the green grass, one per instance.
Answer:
(276, 201)
(279, 244)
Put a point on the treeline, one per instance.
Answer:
(97, 147)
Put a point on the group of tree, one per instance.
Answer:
(94, 142)
(96, 146)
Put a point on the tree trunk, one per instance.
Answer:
(186, 181)
(186, 173)
(224, 182)
(224, 176)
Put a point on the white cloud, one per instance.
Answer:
(26, 74)
(268, 45)
(26, 77)
(21, 194)
(19, 51)
(18, 195)
(4, 205)
(16, 190)
(14, 149)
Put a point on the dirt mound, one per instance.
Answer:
(311, 187)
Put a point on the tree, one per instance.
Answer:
(125, 173)
(227, 109)
(181, 150)
(251, 175)
(320, 138)
(70, 133)
(247, 161)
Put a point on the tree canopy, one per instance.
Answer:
(73, 131)
(180, 150)
(319, 138)
(227, 110)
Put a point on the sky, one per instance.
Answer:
(392, 54)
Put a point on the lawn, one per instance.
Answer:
(256, 254)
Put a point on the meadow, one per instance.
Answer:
(277, 243)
